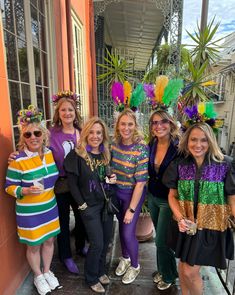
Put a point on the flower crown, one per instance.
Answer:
(67, 94)
(164, 93)
(30, 115)
(202, 113)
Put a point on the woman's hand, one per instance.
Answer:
(12, 156)
(183, 227)
(32, 190)
(128, 217)
(112, 179)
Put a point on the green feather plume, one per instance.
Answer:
(209, 111)
(172, 91)
(138, 96)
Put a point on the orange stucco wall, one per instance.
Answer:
(84, 11)
(12, 258)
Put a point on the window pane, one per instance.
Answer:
(7, 15)
(23, 61)
(19, 17)
(25, 95)
(42, 33)
(36, 54)
(10, 44)
(16, 135)
(44, 69)
(15, 100)
(34, 27)
(39, 98)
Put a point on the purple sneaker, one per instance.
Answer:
(71, 266)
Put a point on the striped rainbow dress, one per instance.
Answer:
(36, 215)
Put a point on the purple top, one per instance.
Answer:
(61, 144)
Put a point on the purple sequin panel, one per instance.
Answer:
(187, 172)
(214, 172)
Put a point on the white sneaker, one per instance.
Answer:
(41, 285)
(123, 265)
(131, 274)
(51, 280)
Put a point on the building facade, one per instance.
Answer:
(45, 46)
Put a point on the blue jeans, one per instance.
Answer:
(161, 215)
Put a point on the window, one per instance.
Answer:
(79, 63)
(25, 35)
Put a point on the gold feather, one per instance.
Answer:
(160, 84)
(127, 92)
(209, 83)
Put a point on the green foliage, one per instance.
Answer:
(194, 92)
(205, 48)
(114, 69)
(144, 208)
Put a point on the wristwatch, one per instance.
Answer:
(131, 210)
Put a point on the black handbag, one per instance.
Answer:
(111, 202)
(61, 186)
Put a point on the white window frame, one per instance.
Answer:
(80, 64)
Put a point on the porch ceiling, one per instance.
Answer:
(133, 26)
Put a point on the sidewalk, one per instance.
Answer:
(143, 285)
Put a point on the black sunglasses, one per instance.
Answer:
(36, 133)
(160, 122)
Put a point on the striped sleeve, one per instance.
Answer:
(141, 172)
(13, 180)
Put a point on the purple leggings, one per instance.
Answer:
(129, 243)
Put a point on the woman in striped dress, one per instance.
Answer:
(30, 179)
(130, 162)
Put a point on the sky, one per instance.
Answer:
(223, 10)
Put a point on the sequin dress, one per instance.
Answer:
(203, 196)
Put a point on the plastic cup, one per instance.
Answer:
(38, 181)
(192, 227)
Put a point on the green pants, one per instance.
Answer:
(161, 215)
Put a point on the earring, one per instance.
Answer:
(88, 148)
(59, 122)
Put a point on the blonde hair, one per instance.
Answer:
(81, 150)
(174, 131)
(214, 151)
(23, 128)
(137, 136)
(56, 118)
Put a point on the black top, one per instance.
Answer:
(155, 185)
(83, 182)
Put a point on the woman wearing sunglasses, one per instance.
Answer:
(30, 179)
(164, 137)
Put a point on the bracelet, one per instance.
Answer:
(131, 210)
(83, 206)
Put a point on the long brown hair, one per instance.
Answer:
(56, 118)
(214, 151)
(137, 136)
(81, 150)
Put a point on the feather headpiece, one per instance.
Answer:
(165, 92)
(67, 94)
(202, 113)
(122, 96)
